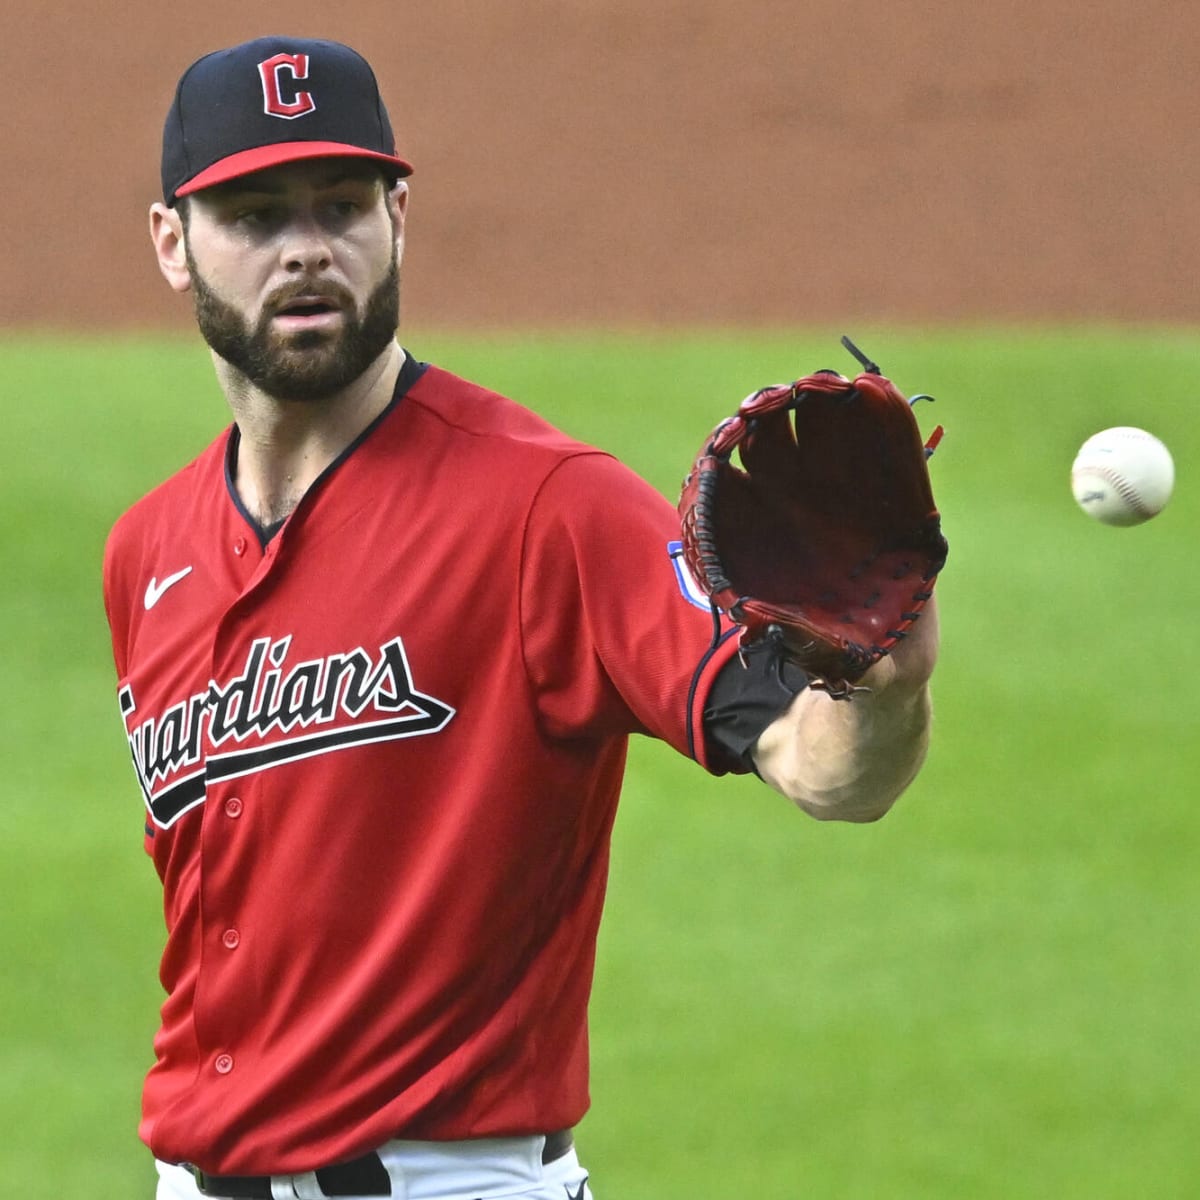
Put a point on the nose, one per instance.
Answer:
(305, 247)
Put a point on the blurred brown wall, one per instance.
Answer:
(608, 162)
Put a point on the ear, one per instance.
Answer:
(166, 232)
(397, 203)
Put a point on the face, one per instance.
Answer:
(295, 274)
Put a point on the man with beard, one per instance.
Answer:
(379, 650)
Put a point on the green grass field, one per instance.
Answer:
(994, 993)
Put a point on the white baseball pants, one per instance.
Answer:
(484, 1169)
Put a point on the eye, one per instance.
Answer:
(344, 209)
(258, 216)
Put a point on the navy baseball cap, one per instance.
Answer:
(271, 101)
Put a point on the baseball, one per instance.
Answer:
(1122, 476)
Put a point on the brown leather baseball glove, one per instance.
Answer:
(826, 539)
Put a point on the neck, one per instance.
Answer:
(286, 444)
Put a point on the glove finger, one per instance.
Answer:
(768, 450)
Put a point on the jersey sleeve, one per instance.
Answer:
(117, 592)
(611, 638)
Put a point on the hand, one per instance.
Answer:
(909, 667)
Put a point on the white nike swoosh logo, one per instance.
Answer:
(155, 590)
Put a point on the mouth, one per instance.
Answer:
(308, 313)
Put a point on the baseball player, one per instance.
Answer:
(379, 650)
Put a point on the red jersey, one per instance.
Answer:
(381, 759)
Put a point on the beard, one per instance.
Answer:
(309, 365)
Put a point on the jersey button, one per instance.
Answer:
(233, 807)
(231, 938)
(223, 1064)
(239, 546)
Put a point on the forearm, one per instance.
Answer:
(846, 760)
(850, 760)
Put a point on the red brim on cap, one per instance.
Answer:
(246, 162)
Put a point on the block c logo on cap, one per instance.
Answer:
(296, 65)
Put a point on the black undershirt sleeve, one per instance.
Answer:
(750, 691)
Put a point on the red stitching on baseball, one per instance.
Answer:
(1127, 493)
